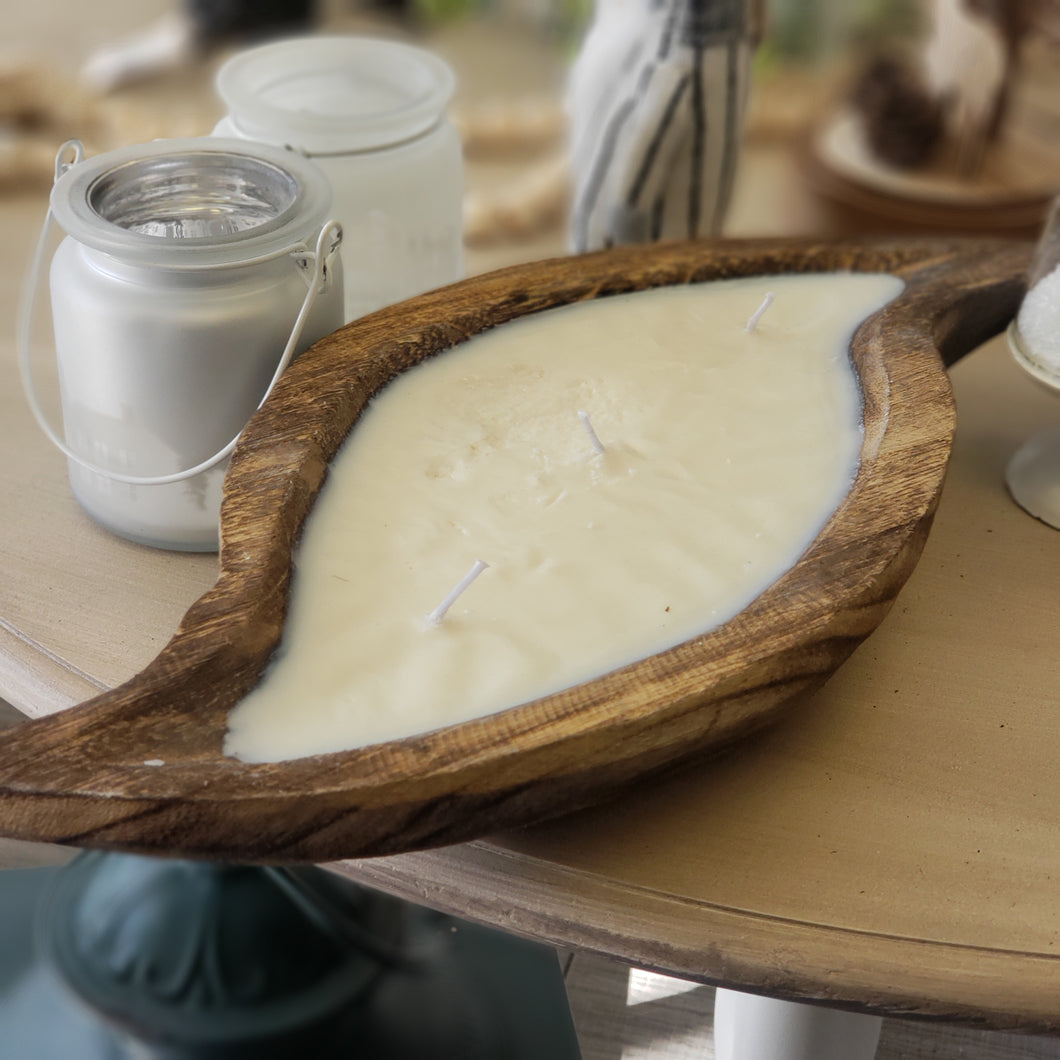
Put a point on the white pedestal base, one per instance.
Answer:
(747, 1027)
(1033, 477)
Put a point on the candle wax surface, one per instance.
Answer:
(725, 453)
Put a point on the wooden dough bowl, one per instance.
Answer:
(83, 777)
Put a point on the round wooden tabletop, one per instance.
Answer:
(892, 843)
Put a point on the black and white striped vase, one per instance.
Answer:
(656, 103)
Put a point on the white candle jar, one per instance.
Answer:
(372, 115)
(1033, 472)
(192, 271)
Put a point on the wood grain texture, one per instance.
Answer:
(81, 777)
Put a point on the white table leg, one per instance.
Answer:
(747, 1027)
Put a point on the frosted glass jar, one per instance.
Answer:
(192, 269)
(1033, 472)
(372, 115)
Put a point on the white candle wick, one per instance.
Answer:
(436, 616)
(756, 316)
(597, 445)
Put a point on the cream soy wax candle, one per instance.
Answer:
(602, 481)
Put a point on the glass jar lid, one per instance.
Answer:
(192, 203)
(335, 95)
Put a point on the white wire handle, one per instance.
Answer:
(327, 242)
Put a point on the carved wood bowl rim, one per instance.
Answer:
(83, 776)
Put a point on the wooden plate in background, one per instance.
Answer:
(1010, 196)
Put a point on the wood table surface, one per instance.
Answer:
(891, 845)
(894, 842)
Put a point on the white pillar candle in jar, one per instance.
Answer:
(186, 265)
(716, 454)
(372, 115)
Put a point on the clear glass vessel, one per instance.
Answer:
(1033, 473)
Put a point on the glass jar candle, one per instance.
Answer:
(1035, 333)
(1033, 473)
(191, 272)
(372, 115)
